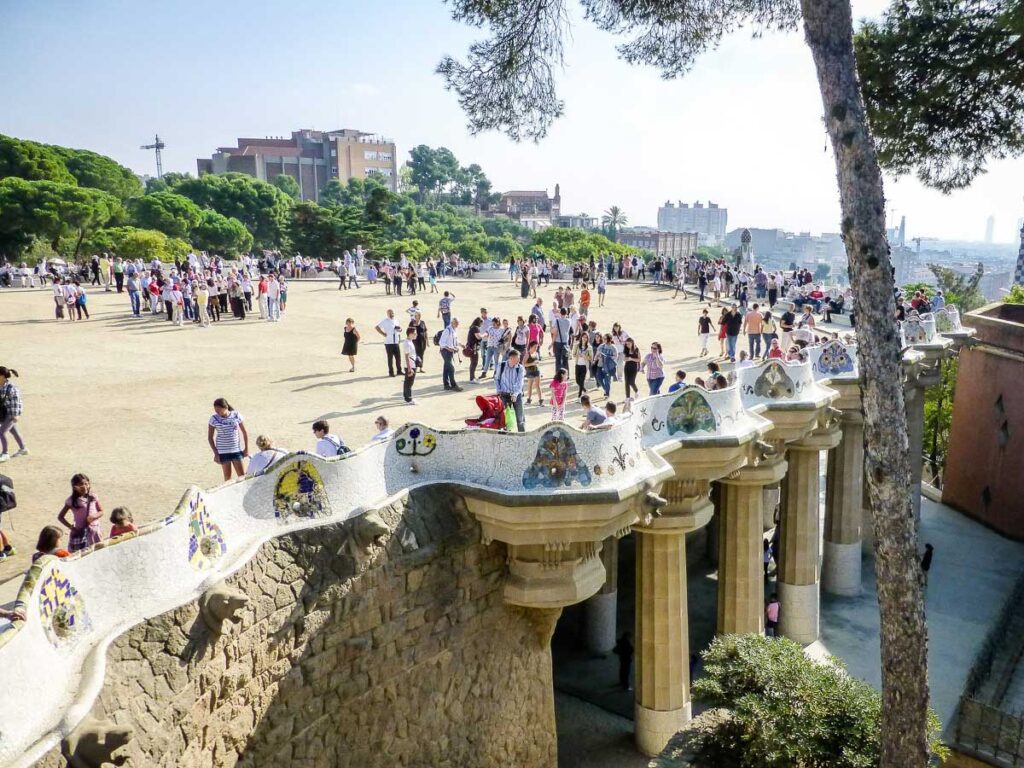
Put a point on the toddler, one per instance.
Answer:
(122, 522)
(49, 543)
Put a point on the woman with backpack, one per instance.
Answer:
(10, 411)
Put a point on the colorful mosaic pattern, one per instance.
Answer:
(774, 382)
(913, 331)
(206, 543)
(557, 464)
(835, 359)
(416, 442)
(300, 493)
(61, 609)
(689, 413)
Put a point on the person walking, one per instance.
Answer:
(704, 326)
(631, 366)
(605, 361)
(416, 323)
(558, 386)
(531, 363)
(410, 359)
(602, 288)
(350, 348)
(771, 616)
(133, 295)
(10, 411)
(583, 355)
(449, 343)
(654, 367)
(733, 325)
(561, 333)
(753, 326)
(444, 308)
(392, 333)
(509, 387)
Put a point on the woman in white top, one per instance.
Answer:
(266, 456)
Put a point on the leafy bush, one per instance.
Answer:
(788, 710)
(134, 243)
(1016, 295)
(413, 249)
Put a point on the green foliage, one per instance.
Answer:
(32, 161)
(134, 243)
(959, 289)
(1015, 295)
(789, 710)
(938, 412)
(324, 233)
(413, 248)
(173, 214)
(288, 185)
(219, 234)
(100, 172)
(711, 252)
(573, 245)
(613, 220)
(261, 207)
(943, 82)
(821, 271)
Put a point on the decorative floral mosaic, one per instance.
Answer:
(689, 413)
(206, 542)
(300, 493)
(773, 383)
(61, 609)
(835, 359)
(416, 442)
(557, 465)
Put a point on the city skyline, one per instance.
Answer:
(742, 129)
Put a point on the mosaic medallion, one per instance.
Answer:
(557, 465)
(835, 359)
(300, 493)
(689, 413)
(61, 609)
(416, 442)
(206, 542)
(913, 330)
(774, 382)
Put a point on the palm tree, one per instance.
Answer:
(613, 219)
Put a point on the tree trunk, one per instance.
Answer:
(78, 244)
(828, 27)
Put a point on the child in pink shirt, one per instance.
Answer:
(87, 512)
(558, 386)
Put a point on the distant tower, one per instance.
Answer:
(157, 146)
(903, 231)
(990, 227)
(556, 204)
(745, 253)
(1018, 275)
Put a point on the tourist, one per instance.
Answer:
(265, 457)
(494, 333)
(631, 367)
(624, 650)
(444, 308)
(213, 301)
(654, 367)
(679, 383)
(416, 324)
(411, 360)
(744, 361)
(521, 336)
(284, 293)
(449, 344)
(228, 438)
(8, 501)
(733, 326)
(383, 430)
(592, 416)
(48, 543)
(766, 555)
(121, 522)
(722, 331)
(926, 561)
(327, 444)
(531, 363)
(605, 361)
(768, 331)
(610, 419)
(133, 295)
(81, 300)
(509, 386)
(11, 409)
(86, 513)
(561, 334)
(583, 355)
(775, 351)
(58, 299)
(602, 288)
(471, 350)
(392, 333)
(753, 326)
(350, 348)
(273, 299)
(786, 322)
(353, 276)
(558, 385)
(177, 304)
(771, 616)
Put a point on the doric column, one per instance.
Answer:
(798, 569)
(662, 686)
(600, 610)
(844, 486)
(741, 547)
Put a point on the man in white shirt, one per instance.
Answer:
(328, 445)
(449, 344)
(392, 333)
(273, 299)
(383, 430)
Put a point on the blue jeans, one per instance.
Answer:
(446, 318)
(490, 358)
(448, 371)
(136, 307)
(604, 380)
(754, 343)
(655, 385)
(766, 338)
(730, 346)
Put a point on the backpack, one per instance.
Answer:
(437, 338)
(8, 501)
(339, 446)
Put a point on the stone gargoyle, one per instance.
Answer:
(93, 743)
(219, 604)
(362, 532)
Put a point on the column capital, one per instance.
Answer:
(821, 439)
(688, 508)
(766, 473)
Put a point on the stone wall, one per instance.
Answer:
(406, 656)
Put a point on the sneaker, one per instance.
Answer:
(4, 457)
(9, 551)
(22, 452)
(410, 402)
(456, 389)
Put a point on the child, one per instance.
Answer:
(122, 521)
(49, 543)
(86, 511)
(228, 438)
(558, 386)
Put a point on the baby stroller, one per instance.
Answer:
(492, 413)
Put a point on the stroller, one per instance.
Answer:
(492, 413)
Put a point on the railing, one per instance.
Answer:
(988, 733)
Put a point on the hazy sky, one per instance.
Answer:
(743, 129)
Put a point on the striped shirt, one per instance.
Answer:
(10, 398)
(228, 437)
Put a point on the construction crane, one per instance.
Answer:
(156, 146)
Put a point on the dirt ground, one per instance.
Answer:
(127, 400)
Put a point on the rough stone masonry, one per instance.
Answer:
(405, 655)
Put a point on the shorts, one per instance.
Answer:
(533, 373)
(227, 458)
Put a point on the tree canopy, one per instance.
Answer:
(288, 185)
(173, 214)
(261, 207)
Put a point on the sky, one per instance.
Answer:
(742, 129)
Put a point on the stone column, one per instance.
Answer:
(841, 564)
(600, 610)
(771, 501)
(913, 397)
(741, 547)
(798, 569)
(662, 663)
